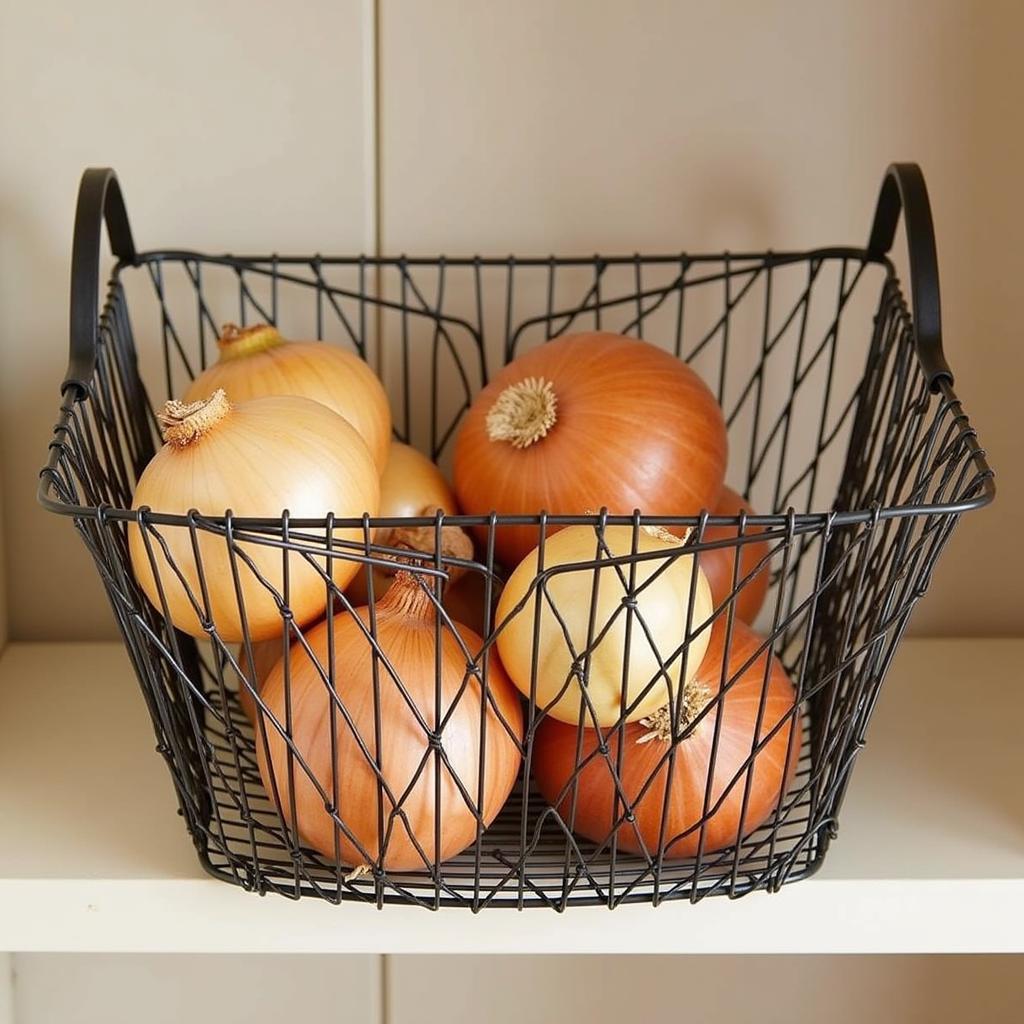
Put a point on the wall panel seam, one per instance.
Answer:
(372, 161)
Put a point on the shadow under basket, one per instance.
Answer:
(845, 434)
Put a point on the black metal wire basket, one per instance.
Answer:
(844, 430)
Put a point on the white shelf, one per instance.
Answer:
(930, 856)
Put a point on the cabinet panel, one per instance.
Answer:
(782, 989)
(6, 989)
(126, 989)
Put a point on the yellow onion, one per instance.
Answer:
(256, 362)
(411, 483)
(412, 486)
(662, 600)
(255, 459)
(427, 789)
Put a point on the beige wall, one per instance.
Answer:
(3, 577)
(233, 125)
(528, 126)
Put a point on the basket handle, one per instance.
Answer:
(904, 191)
(99, 201)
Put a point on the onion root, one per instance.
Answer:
(694, 699)
(523, 413)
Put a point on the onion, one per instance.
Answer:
(412, 486)
(409, 767)
(589, 421)
(588, 803)
(662, 596)
(265, 656)
(257, 459)
(718, 563)
(411, 483)
(465, 600)
(256, 362)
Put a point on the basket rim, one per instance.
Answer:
(773, 257)
(983, 483)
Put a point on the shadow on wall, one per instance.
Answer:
(734, 211)
(982, 256)
(31, 397)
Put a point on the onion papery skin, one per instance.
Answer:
(263, 457)
(265, 656)
(257, 362)
(411, 487)
(589, 807)
(635, 428)
(411, 483)
(718, 563)
(662, 591)
(462, 595)
(406, 633)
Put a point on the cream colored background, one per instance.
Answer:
(105, 989)
(530, 126)
(233, 125)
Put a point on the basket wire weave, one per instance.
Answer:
(829, 404)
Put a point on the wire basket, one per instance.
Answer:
(844, 430)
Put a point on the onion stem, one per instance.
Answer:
(660, 533)
(185, 423)
(407, 596)
(455, 543)
(235, 342)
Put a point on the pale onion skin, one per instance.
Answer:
(265, 456)
(307, 369)
(411, 483)
(555, 760)
(410, 486)
(718, 563)
(405, 631)
(265, 656)
(636, 428)
(662, 604)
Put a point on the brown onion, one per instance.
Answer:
(718, 563)
(589, 805)
(589, 421)
(256, 362)
(265, 656)
(465, 600)
(409, 766)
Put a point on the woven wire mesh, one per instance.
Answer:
(834, 434)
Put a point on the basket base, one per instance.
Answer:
(525, 860)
